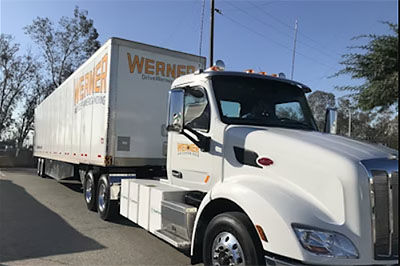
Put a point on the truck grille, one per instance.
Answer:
(385, 217)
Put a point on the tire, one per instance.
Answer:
(230, 239)
(89, 191)
(42, 169)
(38, 166)
(106, 208)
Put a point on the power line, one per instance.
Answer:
(262, 5)
(287, 25)
(280, 32)
(274, 41)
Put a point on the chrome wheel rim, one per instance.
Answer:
(88, 190)
(226, 250)
(102, 196)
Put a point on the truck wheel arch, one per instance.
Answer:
(209, 211)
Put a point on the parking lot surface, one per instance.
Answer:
(45, 222)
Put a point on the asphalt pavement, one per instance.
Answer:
(45, 222)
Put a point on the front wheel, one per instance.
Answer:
(106, 208)
(230, 239)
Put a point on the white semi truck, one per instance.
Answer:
(229, 165)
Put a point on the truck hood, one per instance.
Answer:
(293, 139)
(321, 169)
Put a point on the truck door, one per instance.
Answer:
(188, 166)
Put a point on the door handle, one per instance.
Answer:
(176, 174)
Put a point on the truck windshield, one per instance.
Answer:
(262, 102)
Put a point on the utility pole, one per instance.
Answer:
(212, 33)
(349, 132)
(294, 49)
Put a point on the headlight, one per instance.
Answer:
(325, 243)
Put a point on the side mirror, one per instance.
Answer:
(175, 110)
(331, 121)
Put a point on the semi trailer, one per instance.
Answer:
(227, 165)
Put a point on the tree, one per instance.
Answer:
(371, 126)
(319, 101)
(377, 67)
(34, 94)
(64, 46)
(16, 73)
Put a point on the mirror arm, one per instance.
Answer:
(203, 143)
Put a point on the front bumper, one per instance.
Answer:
(276, 260)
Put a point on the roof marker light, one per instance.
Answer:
(263, 73)
(274, 75)
(249, 71)
(219, 66)
(213, 68)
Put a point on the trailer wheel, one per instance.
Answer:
(89, 191)
(41, 168)
(230, 239)
(106, 208)
(38, 166)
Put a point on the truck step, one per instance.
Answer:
(173, 239)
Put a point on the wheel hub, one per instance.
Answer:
(226, 250)
(102, 195)
(88, 190)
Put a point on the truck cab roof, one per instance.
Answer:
(190, 78)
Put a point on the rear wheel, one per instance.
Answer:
(89, 191)
(41, 169)
(106, 208)
(38, 166)
(230, 239)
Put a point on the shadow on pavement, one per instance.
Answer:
(28, 229)
(73, 185)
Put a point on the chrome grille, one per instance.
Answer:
(384, 184)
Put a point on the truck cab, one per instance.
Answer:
(274, 189)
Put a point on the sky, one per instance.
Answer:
(255, 35)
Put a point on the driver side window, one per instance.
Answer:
(197, 109)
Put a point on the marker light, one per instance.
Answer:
(265, 161)
(249, 71)
(261, 233)
(263, 73)
(274, 75)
